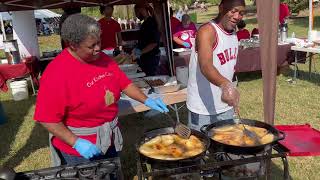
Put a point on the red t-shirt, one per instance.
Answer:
(175, 23)
(109, 30)
(243, 34)
(283, 12)
(186, 33)
(76, 94)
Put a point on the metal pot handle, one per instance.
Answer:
(204, 128)
(282, 136)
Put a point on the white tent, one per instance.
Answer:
(39, 14)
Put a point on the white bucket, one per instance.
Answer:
(182, 75)
(19, 90)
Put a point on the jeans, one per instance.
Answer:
(68, 159)
(196, 121)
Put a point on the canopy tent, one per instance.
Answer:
(39, 14)
(21, 5)
(268, 24)
(161, 9)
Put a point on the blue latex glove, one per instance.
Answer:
(186, 44)
(156, 104)
(86, 149)
(137, 52)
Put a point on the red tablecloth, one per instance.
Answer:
(249, 59)
(9, 71)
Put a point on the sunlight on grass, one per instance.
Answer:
(37, 160)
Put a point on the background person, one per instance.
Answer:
(185, 32)
(110, 29)
(66, 13)
(77, 99)
(174, 22)
(242, 32)
(211, 95)
(147, 52)
(255, 32)
(284, 13)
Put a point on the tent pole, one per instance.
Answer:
(310, 15)
(268, 21)
(168, 33)
(2, 28)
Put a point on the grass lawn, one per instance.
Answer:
(24, 146)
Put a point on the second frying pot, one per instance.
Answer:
(218, 146)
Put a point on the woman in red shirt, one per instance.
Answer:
(242, 33)
(185, 32)
(110, 29)
(78, 95)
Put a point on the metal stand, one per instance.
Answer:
(295, 66)
(295, 73)
(208, 166)
(176, 109)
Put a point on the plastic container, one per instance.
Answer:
(182, 75)
(181, 51)
(19, 90)
(129, 68)
(167, 87)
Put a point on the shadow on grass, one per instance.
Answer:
(16, 112)
(304, 75)
(249, 76)
(278, 172)
(304, 21)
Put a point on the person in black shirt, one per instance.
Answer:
(147, 51)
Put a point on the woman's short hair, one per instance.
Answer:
(77, 27)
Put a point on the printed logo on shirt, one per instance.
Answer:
(227, 55)
(109, 98)
(185, 36)
(98, 78)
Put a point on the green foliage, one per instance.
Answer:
(296, 6)
(182, 2)
(91, 11)
(214, 2)
(121, 11)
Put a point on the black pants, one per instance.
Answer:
(149, 64)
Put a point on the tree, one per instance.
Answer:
(297, 5)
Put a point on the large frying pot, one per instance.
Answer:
(218, 146)
(169, 130)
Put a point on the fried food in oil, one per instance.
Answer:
(267, 138)
(233, 135)
(172, 147)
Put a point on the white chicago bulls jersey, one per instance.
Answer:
(203, 96)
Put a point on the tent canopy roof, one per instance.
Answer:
(20, 5)
(39, 14)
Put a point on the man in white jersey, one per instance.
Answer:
(211, 94)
